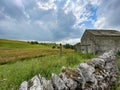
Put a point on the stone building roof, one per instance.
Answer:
(98, 32)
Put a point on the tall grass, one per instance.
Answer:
(13, 44)
(10, 56)
(117, 86)
(12, 51)
(11, 75)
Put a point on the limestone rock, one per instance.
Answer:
(58, 83)
(98, 62)
(71, 84)
(39, 83)
(34, 84)
(24, 85)
(47, 84)
(97, 74)
(87, 72)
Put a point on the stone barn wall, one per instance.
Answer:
(100, 41)
(107, 43)
(85, 40)
(97, 74)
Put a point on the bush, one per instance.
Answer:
(68, 46)
(118, 53)
(34, 42)
(53, 47)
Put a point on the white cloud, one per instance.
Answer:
(46, 5)
(43, 20)
(23, 30)
(108, 15)
(95, 2)
(56, 20)
(19, 3)
(100, 23)
(80, 9)
(69, 41)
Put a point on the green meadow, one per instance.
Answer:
(20, 61)
(12, 51)
(118, 80)
(11, 75)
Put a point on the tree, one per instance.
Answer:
(34, 42)
(53, 47)
(68, 46)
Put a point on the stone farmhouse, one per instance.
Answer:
(99, 41)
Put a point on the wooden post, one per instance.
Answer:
(60, 50)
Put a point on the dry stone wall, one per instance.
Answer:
(97, 74)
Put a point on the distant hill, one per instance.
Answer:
(14, 44)
(12, 50)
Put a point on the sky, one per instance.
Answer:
(62, 21)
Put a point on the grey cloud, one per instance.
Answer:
(110, 10)
(61, 3)
(11, 9)
(49, 15)
(64, 27)
(42, 25)
(24, 31)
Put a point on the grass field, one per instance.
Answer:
(20, 61)
(11, 75)
(118, 80)
(11, 51)
(13, 44)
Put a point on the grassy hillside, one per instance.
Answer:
(118, 80)
(11, 75)
(12, 44)
(25, 66)
(11, 51)
(31, 59)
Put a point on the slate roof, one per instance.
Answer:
(98, 32)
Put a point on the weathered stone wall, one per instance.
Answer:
(97, 74)
(98, 43)
(88, 38)
(104, 43)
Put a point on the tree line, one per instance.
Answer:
(54, 45)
